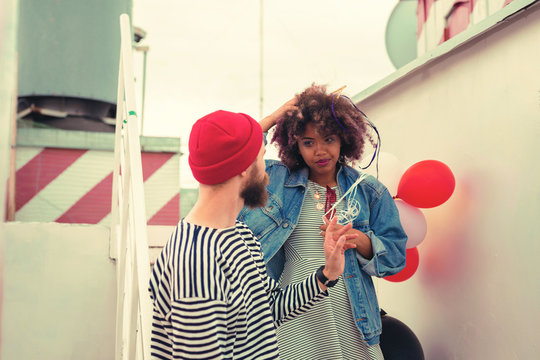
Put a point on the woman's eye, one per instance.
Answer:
(307, 143)
(330, 139)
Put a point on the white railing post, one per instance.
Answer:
(129, 243)
(115, 242)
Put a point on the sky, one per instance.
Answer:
(206, 55)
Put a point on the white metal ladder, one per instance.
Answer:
(129, 243)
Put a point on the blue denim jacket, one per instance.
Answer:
(378, 219)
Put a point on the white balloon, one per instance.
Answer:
(413, 222)
(390, 170)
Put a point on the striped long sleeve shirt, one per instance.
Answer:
(213, 299)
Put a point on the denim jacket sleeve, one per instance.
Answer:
(388, 239)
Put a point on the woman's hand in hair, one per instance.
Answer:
(286, 109)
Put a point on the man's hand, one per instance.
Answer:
(335, 244)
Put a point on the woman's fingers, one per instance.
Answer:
(342, 245)
(342, 230)
(335, 229)
(351, 236)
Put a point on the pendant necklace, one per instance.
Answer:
(330, 200)
(317, 198)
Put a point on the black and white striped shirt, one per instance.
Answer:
(213, 299)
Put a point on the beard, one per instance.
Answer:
(254, 191)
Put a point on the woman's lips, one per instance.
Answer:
(323, 162)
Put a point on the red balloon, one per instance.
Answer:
(413, 259)
(426, 184)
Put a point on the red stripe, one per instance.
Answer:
(169, 214)
(96, 203)
(428, 4)
(458, 21)
(40, 171)
(420, 17)
(93, 206)
(153, 161)
(422, 12)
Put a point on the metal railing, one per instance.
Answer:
(129, 243)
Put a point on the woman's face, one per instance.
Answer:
(321, 153)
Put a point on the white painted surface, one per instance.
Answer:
(477, 109)
(60, 292)
(157, 238)
(25, 154)
(8, 84)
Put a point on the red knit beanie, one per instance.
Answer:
(222, 145)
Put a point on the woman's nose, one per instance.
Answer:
(319, 147)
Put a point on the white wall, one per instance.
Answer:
(8, 82)
(476, 293)
(60, 292)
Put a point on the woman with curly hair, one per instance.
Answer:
(318, 136)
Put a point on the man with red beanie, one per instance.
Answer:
(211, 294)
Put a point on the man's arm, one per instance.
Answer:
(197, 327)
(294, 299)
(297, 298)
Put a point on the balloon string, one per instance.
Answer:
(377, 145)
(334, 114)
(353, 208)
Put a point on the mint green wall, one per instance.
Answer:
(70, 48)
(400, 36)
(59, 292)
(188, 198)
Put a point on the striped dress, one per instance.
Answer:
(328, 330)
(212, 297)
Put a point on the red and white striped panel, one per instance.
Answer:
(440, 20)
(75, 186)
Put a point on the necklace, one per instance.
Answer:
(319, 205)
(330, 200)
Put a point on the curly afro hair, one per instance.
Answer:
(315, 106)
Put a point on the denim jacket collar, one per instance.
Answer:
(298, 178)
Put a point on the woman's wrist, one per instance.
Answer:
(363, 244)
(267, 123)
